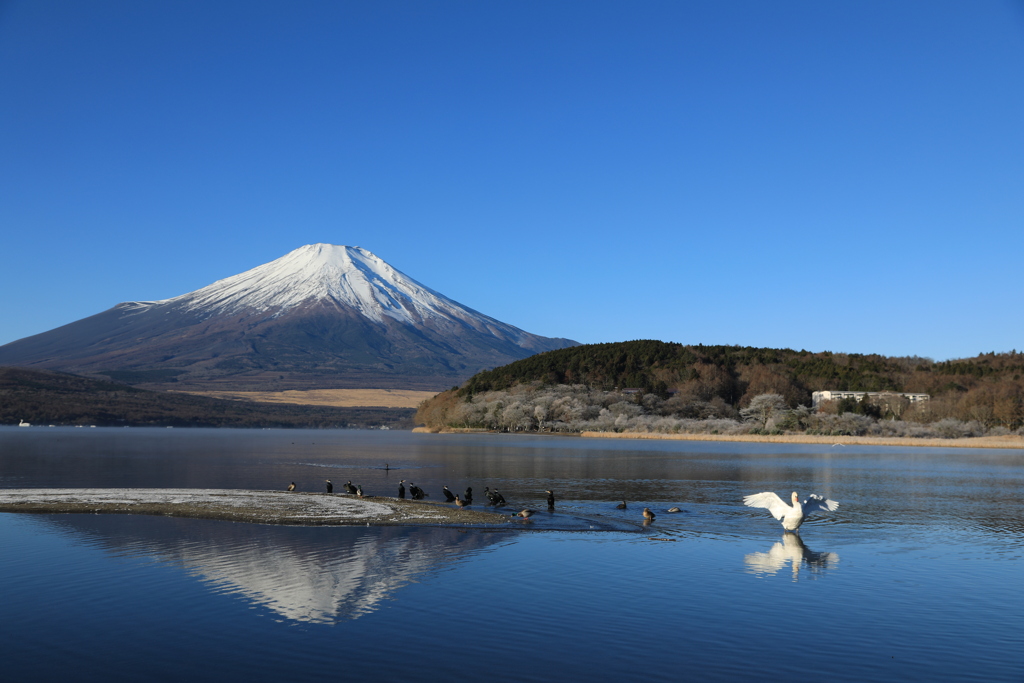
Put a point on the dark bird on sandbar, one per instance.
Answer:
(525, 513)
(349, 488)
(491, 499)
(499, 500)
(359, 490)
(461, 503)
(449, 497)
(401, 489)
(648, 515)
(551, 500)
(469, 494)
(621, 506)
(416, 492)
(291, 486)
(330, 486)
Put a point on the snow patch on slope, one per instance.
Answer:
(346, 276)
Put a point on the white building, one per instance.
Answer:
(818, 397)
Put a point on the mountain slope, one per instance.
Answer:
(322, 316)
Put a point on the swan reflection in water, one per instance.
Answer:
(790, 550)
(318, 575)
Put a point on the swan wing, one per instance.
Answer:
(770, 500)
(816, 503)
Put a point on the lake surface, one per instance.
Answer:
(918, 575)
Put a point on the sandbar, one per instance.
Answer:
(239, 505)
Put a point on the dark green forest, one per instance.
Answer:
(43, 397)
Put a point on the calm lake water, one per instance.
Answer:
(918, 575)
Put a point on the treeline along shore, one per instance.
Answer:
(653, 387)
(44, 397)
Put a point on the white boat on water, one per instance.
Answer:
(22, 423)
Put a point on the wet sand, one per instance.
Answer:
(260, 507)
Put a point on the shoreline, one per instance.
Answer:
(1007, 442)
(240, 505)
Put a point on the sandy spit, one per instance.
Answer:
(260, 507)
(976, 442)
(339, 398)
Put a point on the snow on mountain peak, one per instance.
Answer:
(347, 276)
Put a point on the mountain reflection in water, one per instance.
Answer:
(790, 550)
(302, 574)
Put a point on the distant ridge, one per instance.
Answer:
(42, 397)
(321, 316)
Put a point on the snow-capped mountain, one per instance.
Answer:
(321, 316)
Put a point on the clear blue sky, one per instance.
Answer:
(844, 176)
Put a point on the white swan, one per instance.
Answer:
(792, 516)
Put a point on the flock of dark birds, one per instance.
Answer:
(791, 515)
(494, 498)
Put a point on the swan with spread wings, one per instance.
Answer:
(791, 516)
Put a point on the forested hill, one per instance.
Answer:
(735, 374)
(43, 397)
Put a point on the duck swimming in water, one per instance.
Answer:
(648, 515)
(791, 516)
(621, 506)
(551, 500)
(673, 510)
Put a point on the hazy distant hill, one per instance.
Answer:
(322, 316)
(42, 397)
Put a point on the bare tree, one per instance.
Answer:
(763, 408)
(540, 413)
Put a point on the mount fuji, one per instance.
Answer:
(322, 316)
